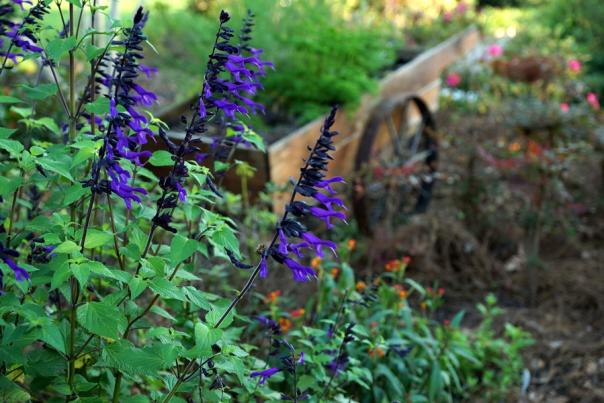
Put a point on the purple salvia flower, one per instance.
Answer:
(264, 375)
(22, 36)
(126, 131)
(301, 273)
(7, 256)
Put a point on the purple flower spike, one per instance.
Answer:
(7, 255)
(263, 268)
(127, 131)
(264, 375)
(301, 273)
(317, 243)
(310, 181)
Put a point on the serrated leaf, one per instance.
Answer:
(81, 272)
(13, 147)
(6, 132)
(224, 237)
(51, 335)
(53, 165)
(205, 337)
(213, 316)
(181, 248)
(137, 286)
(102, 319)
(161, 158)
(92, 52)
(67, 247)
(141, 361)
(96, 238)
(99, 107)
(40, 91)
(166, 289)
(75, 192)
(57, 48)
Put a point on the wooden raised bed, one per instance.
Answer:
(421, 76)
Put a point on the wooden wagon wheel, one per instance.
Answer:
(395, 165)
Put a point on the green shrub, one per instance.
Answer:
(321, 58)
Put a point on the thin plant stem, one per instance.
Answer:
(115, 238)
(13, 207)
(56, 80)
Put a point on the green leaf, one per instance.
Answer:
(7, 99)
(436, 382)
(57, 48)
(225, 237)
(213, 316)
(52, 335)
(67, 247)
(99, 106)
(181, 249)
(96, 238)
(13, 147)
(102, 319)
(81, 273)
(141, 361)
(137, 286)
(74, 192)
(161, 158)
(166, 289)
(54, 165)
(5, 132)
(92, 52)
(196, 297)
(205, 337)
(40, 91)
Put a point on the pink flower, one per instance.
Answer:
(592, 99)
(564, 107)
(574, 65)
(495, 50)
(453, 79)
(461, 7)
(447, 16)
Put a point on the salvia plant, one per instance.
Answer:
(104, 244)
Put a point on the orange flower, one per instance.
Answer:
(514, 147)
(352, 244)
(297, 313)
(285, 324)
(378, 351)
(361, 286)
(272, 296)
(402, 294)
(393, 265)
(315, 263)
(334, 272)
(534, 149)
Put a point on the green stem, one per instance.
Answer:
(13, 207)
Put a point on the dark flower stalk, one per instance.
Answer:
(245, 71)
(127, 129)
(311, 181)
(21, 35)
(229, 80)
